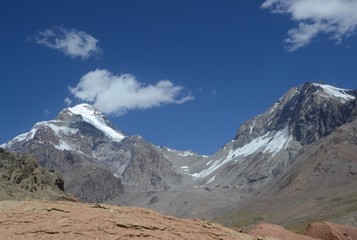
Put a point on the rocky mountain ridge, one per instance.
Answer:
(268, 143)
(86, 149)
(101, 164)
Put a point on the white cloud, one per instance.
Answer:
(335, 18)
(71, 42)
(117, 94)
(68, 101)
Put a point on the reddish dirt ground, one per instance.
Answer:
(71, 220)
(331, 231)
(275, 231)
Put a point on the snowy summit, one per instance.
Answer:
(330, 91)
(97, 119)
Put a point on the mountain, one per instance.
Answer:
(267, 144)
(97, 160)
(300, 151)
(294, 164)
(302, 157)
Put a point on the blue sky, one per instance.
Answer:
(183, 74)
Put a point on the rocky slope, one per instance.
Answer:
(69, 220)
(22, 178)
(319, 185)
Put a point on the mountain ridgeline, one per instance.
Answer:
(310, 112)
(307, 137)
(95, 159)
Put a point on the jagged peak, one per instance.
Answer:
(330, 91)
(297, 105)
(61, 126)
(84, 109)
(322, 89)
(93, 116)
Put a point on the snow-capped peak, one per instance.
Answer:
(331, 91)
(97, 119)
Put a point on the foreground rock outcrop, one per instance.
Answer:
(21, 177)
(37, 219)
(278, 232)
(331, 231)
(73, 220)
(320, 230)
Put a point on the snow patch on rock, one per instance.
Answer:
(331, 91)
(96, 118)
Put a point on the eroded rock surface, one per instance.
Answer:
(73, 220)
(21, 178)
(37, 219)
(331, 231)
(275, 231)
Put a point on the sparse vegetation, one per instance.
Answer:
(22, 177)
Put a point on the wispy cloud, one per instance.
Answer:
(68, 101)
(71, 42)
(117, 94)
(335, 18)
(214, 92)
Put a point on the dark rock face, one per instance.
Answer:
(308, 112)
(315, 116)
(155, 171)
(22, 177)
(92, 183)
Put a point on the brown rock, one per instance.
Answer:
(73, 220)
(276, 232)
(331, 231)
